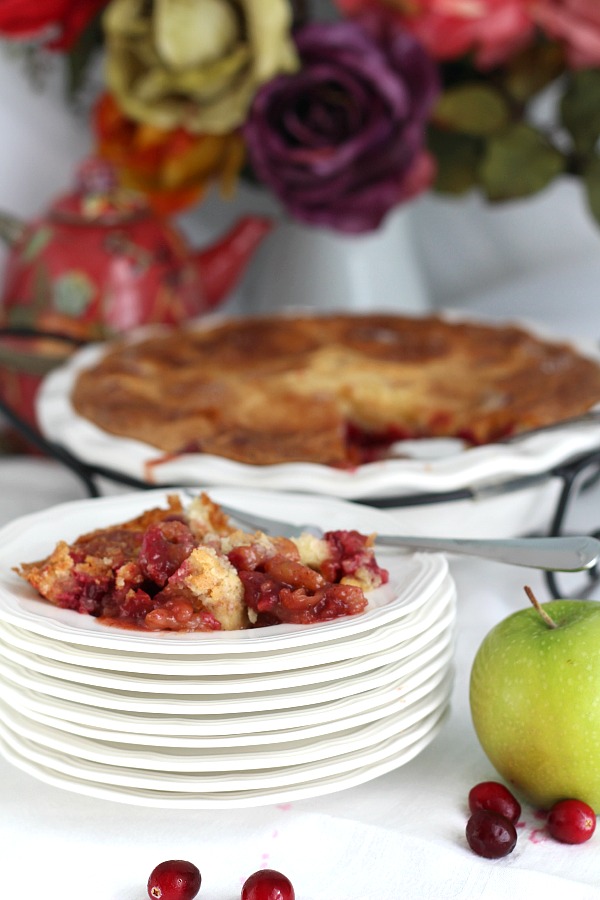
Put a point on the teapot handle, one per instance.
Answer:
(11, 331)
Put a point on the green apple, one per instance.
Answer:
(535, 701)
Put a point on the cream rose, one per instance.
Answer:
(195, 63)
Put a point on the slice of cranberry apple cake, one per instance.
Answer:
(187, 568)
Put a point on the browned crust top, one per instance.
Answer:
(266, 390)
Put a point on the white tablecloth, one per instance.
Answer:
(401, 835)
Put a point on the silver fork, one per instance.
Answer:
(553, 554)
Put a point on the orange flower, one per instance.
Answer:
(173, 168)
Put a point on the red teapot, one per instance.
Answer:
(100, 262)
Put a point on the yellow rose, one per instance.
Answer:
(195, 64)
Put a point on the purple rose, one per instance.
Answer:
(342, 141)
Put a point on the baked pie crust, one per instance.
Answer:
(333, 389)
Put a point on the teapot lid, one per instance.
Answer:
(98, 199)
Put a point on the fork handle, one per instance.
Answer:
(554, 554)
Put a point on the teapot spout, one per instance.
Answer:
(12, 229)
(222, 264)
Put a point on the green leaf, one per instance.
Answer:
(81, 55)
(526, 74)
(472, 108)
(37, 242)
(580, 109)
(518, 163)
(458, 158)
(591, 183)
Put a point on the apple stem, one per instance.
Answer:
(534, 600)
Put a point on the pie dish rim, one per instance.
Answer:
(397, 478)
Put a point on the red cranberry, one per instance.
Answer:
(174, 879)
(571, 821)
(494, 797)
(491, 835)
(165, 545)
(267, 884)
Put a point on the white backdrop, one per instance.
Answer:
(41, 140)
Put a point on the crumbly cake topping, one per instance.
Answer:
(333, 389)
(188, 569)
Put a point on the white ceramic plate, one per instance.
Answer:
(377, 640)
(224, 782)
(424, 631)
(449, 468)
(322, 715)
(18, 755)
(416, 686)
(166, 703)
(188, 720)
(231, 759)
(413, 578)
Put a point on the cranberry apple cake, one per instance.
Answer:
(332, 389)
(188, 569)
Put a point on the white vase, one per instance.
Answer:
(467, 246)
(300, 266)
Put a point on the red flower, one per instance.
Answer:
(492, 29)
(56, 23)
(576, 23)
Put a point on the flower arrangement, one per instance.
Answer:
(521, 98)
(341, 115)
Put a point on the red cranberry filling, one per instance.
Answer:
(164, 547)
(282, 589)
(369, 446)
(350, 551)
(275, 601)
(130, 576)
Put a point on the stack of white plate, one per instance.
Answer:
(223, 719)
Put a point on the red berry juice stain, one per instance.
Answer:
(538, 835)
(520, 824)
(285, 806)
